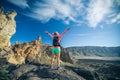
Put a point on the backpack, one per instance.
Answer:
(55, 41)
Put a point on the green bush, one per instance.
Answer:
(4, 75)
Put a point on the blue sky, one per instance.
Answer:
(92, 22)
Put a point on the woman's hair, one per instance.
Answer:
(56, 33)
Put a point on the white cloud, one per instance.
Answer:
(97, 10)
(43, 15)
(57, 9)
(111, 15)
(71, 11)
(114, 19)
(67, 22)
(19, 3)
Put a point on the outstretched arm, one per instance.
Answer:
(64, 32)
(49, 34)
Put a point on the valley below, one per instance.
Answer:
(104, 61)
(107, 69)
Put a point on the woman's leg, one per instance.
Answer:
(52, 59)
(58, 59)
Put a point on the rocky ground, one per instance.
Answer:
(37, 71)
(107, 70)
(82, 70)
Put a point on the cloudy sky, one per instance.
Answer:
(92, 22)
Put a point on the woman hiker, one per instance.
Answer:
(56, 47)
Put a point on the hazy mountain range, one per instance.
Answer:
(94, 51)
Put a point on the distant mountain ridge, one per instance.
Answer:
(94, 51)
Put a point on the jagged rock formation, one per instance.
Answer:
(65, 56)
(7, 27)
(25, 53)
(32, 52)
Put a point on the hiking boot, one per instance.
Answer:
(59, 68)
(51, 67)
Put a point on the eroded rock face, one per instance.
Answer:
(7, 27)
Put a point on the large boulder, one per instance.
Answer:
(7, 27)
(65, 56)
(23, 69)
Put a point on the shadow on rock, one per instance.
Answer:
(88, 75)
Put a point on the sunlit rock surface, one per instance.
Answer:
(7, 27)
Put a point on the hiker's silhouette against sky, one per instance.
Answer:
(92, 22)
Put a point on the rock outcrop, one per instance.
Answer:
(7, 27)
(32, 52)
(41, 72)
(65, 56)
(25, 53)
